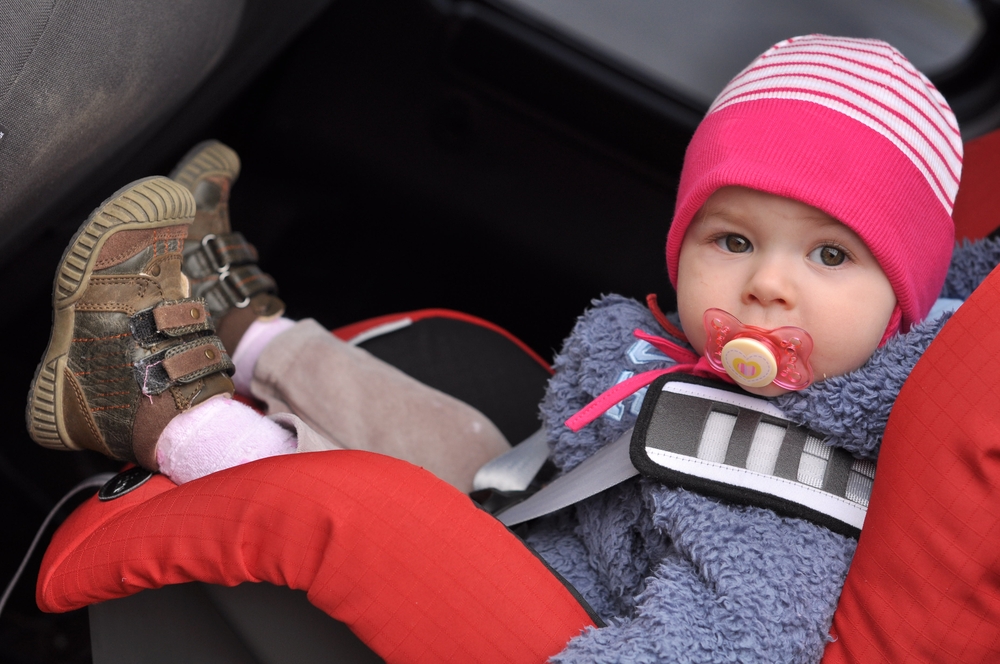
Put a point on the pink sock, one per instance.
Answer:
(251, 345)
(218, 434)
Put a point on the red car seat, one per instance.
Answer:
(408, 563)
(924, 586)
(977, 206)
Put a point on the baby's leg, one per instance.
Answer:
(347, 395)
(360, 402)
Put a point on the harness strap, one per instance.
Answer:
(731, 445)
(514, 470)
(721, 442)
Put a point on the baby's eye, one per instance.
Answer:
(828, 255)
(736, 244)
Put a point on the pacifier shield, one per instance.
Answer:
(756, 356)
(749, 362)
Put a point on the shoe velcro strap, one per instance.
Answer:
(181, 317)
(183, 363)
(240, 284)
(195, 359)
(722, 442)
(219, 253)
(229, 250)
(169, 319)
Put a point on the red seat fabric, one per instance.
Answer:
(977, 206)
(925, 582)
(410, 564)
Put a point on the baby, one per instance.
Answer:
(816, 193)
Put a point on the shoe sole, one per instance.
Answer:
(204, 158)
(150, 203)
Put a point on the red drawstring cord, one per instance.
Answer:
(687, 362)
(661, 318)
(676, 353)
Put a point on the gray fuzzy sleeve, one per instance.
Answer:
(592, 359)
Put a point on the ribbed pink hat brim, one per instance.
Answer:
(813, 154)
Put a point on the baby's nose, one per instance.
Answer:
(770, 284)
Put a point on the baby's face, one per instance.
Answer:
(772, 261)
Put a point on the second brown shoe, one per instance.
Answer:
(220, 263)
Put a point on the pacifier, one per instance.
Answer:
(755, 356)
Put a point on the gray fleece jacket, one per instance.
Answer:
(681, 577)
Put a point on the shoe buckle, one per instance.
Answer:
(233, 289)
(209, 244)
(234, 262)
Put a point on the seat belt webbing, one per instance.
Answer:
(514, 470)
(608, 467)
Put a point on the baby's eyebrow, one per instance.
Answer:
(723, 213)
(720, 210)
(830, 222)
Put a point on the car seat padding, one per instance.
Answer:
(924, 585)
(410, 564)
(977, 205)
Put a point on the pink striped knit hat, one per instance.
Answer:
(848, 126)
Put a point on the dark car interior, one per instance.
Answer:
(472, 155)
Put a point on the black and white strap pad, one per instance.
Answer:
(722, 442)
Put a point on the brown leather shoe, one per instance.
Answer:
(221, 264)
(129, 348)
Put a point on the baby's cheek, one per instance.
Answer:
(697, 340)
(836, 359)
(693, 326)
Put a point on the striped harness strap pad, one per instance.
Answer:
(722, 442)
